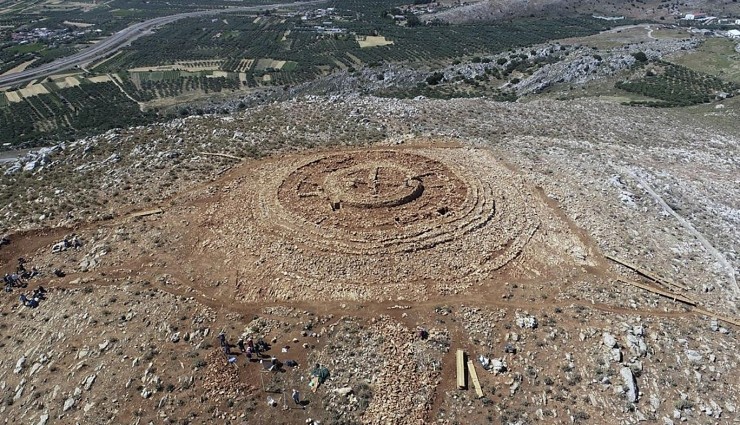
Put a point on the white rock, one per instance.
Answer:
(694, 356)
(20, 365)
(609, 340)
(35, 368)
(68, 404)
(19, 392)
(629, 381)
(498, 365)
(104, 345)
(616, 355)
(89, 381)
(528, 322)
(343, 391)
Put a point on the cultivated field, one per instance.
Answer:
(190, 66)
(715, 56)
(265, 64)
(373, 41)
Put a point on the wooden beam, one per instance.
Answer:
(718, 317)
(474, 378)
(671, 295)
(146, 213)
(647, 274)
(461, 369)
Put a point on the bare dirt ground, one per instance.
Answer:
(487, 225)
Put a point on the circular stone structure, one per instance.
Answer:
(372, 185)
(370, 202)
(373, 219)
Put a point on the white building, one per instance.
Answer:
(733, 33)
(689, 17)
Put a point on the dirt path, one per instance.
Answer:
(120, 87)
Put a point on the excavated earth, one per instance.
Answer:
(491, 240)
(409, 223)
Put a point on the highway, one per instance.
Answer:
(121, 38)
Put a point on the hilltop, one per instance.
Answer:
(180, 239)
(532, 221)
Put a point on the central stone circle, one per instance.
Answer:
(375, 185)
(373, 191)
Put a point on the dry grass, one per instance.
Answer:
(32, 90)
(100, 79)
(373, 41)
(267, 63)
(67, 82)
(19, 68)
(78, 24)
(716, 56)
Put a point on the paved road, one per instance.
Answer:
(121, 38)
(12, 156)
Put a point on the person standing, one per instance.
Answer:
(297, 398)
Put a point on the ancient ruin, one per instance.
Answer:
(371, 223)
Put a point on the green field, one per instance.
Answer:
(84, 109)
(27, 48)
(157, 75)
(290, 66)
(674, 85)
(716, 56)
(278, 35)
(125, 12)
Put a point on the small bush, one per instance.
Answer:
(435, 78)
(640, 56)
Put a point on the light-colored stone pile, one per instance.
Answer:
(380, 374)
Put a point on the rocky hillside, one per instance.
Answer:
(154, 263)
(488, 10)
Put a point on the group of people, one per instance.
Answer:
(68, 242)
(35, 298)
(19, 278)
(247, 347)
(252, 349)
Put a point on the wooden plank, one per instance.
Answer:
(461, 369)
(146, 213)
(671, 295)
(647, 274)
(474, 378)
(718, 317)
